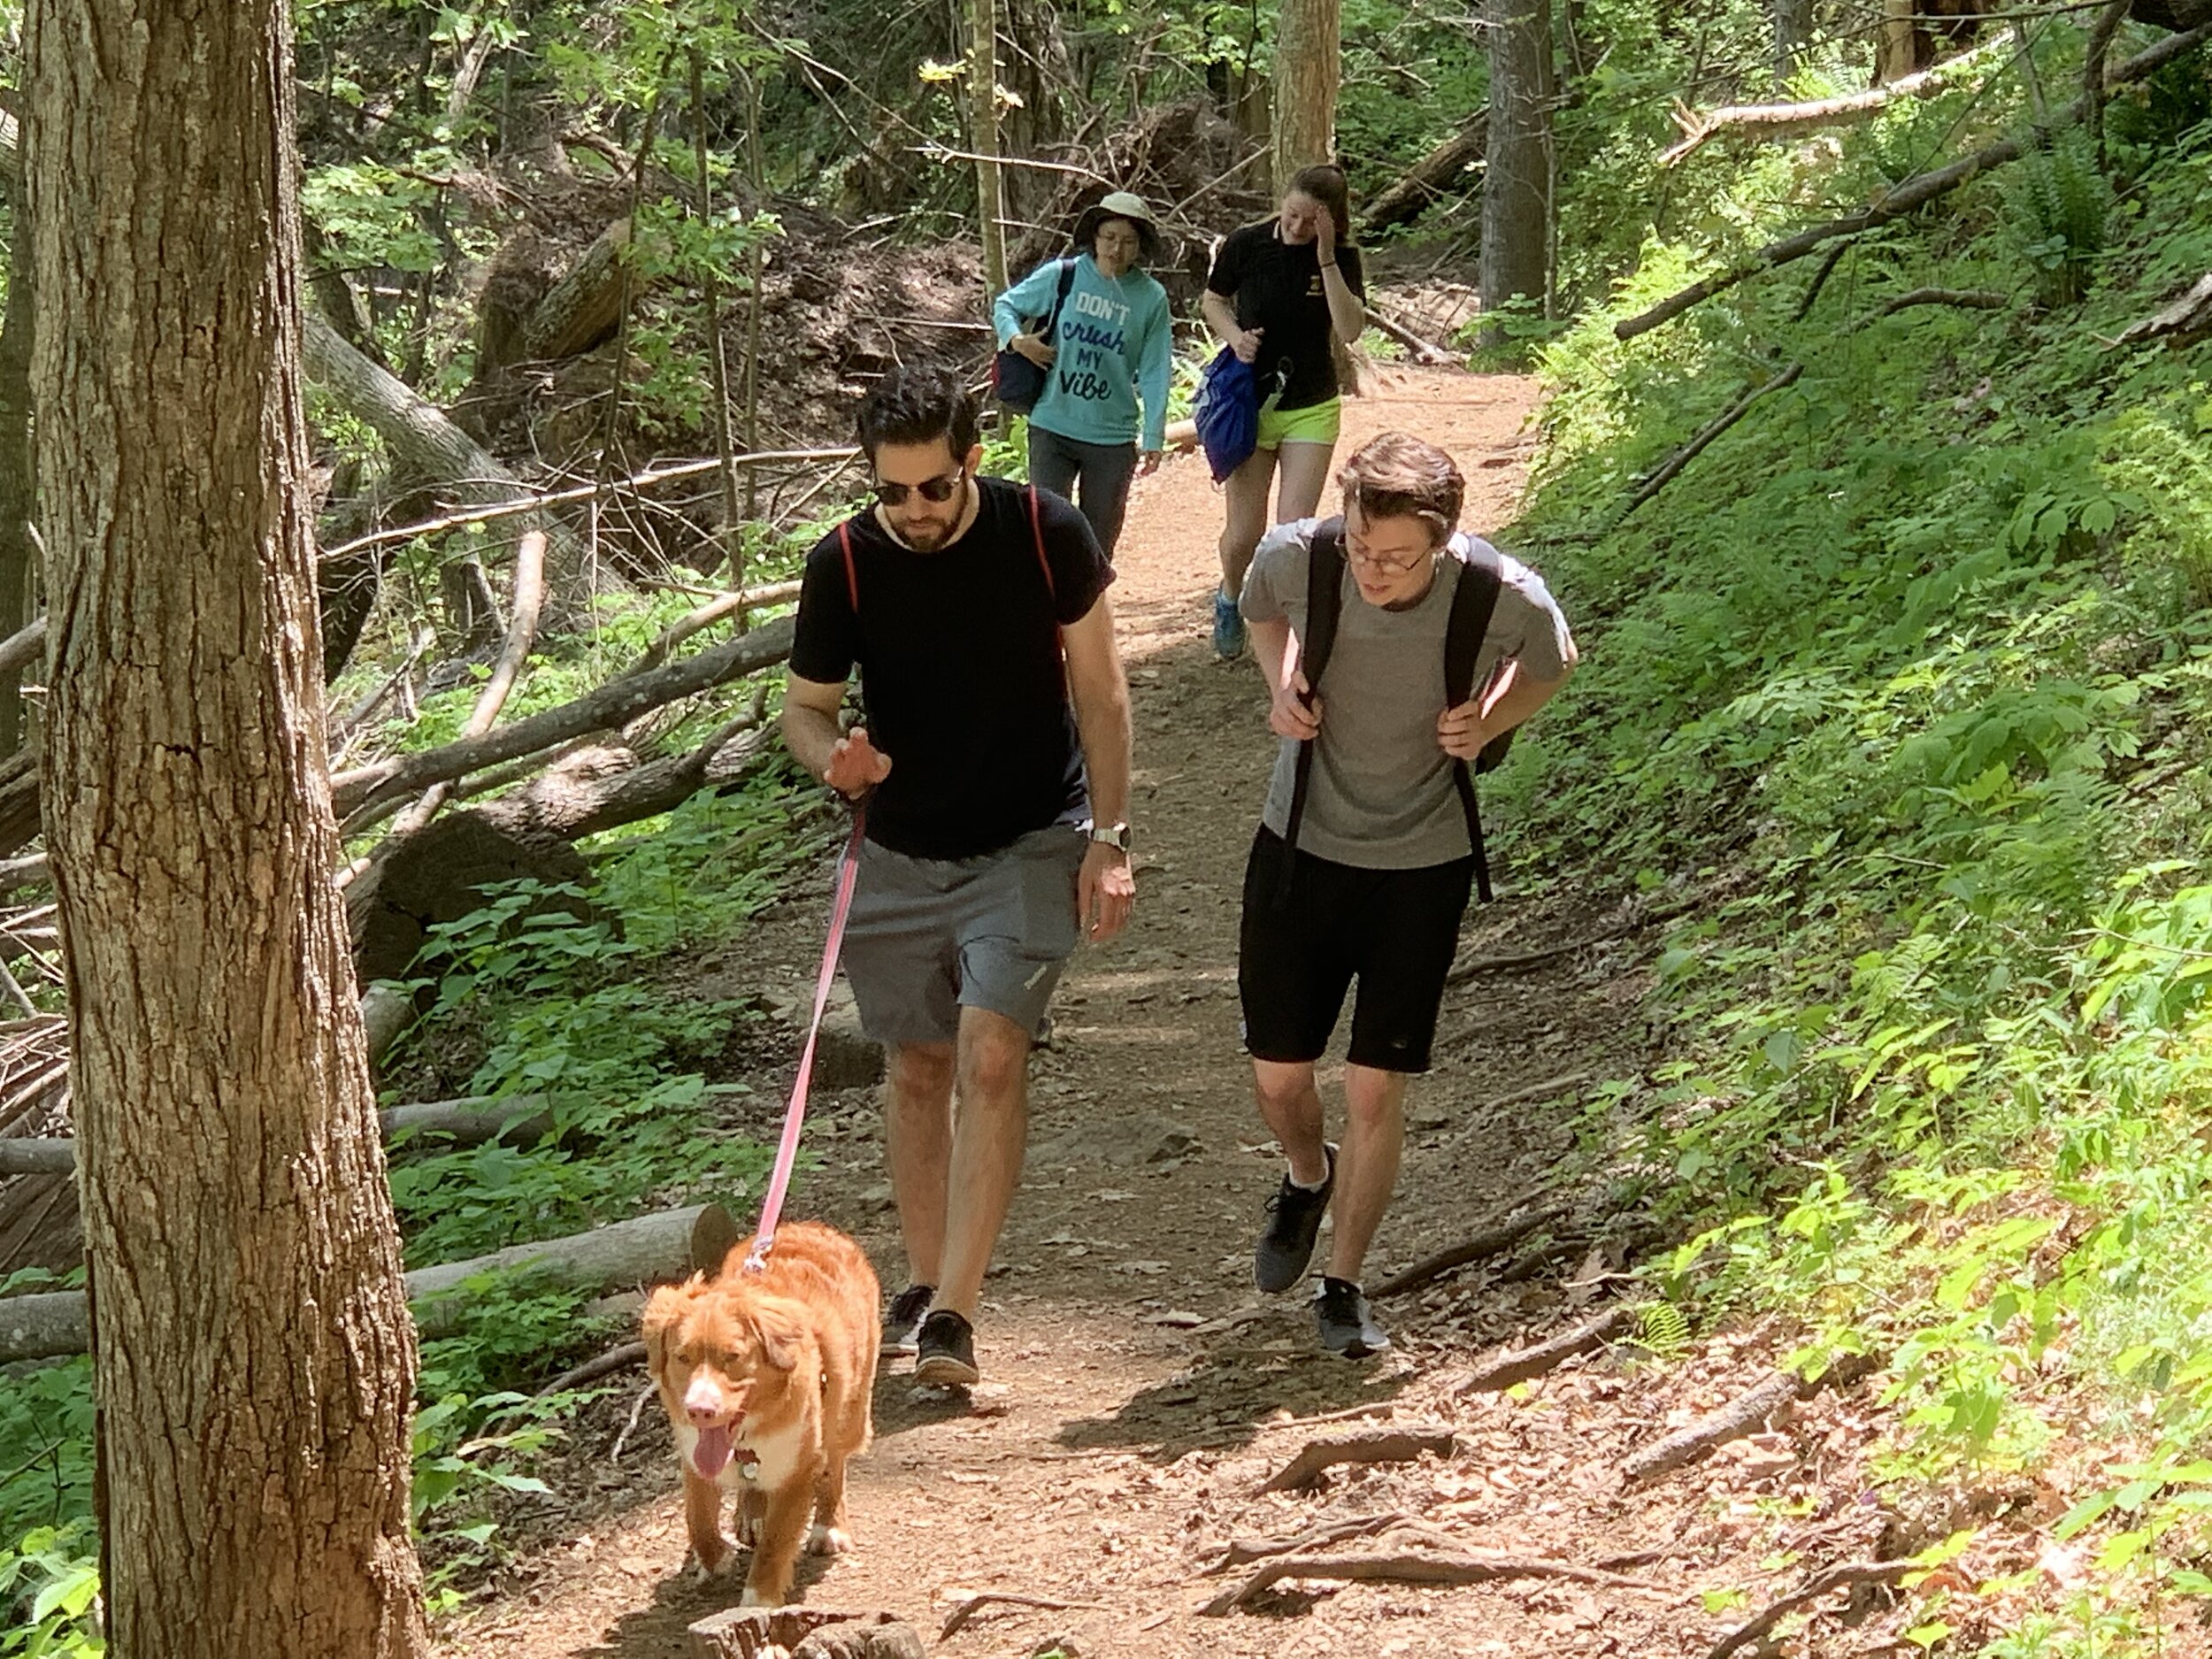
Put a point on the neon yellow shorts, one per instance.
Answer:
(1315, 423)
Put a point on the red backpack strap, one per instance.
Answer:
(852, 576)
(1037, 531)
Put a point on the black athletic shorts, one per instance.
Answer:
(1393, 930)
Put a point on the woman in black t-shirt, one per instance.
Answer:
(1281, 293)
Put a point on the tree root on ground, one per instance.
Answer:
(1834, 1578)
(1524, 1364)
(1410, 1567)
(1371, 1446)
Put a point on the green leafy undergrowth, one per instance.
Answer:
(1902, 690)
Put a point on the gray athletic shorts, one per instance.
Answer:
(930, 936)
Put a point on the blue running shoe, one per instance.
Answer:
(1228, 628)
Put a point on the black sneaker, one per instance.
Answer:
(945, 1350)
(1294, 1217)
(1347, 1326)
(903, 1322)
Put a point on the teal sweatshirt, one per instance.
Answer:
(1114, 344)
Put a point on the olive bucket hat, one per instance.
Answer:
(1120, 205)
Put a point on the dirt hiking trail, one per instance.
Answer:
(1138, 1392)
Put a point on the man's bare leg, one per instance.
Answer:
(1291, 1105)
(990, 1129)
(1367, 1165)
(917, 1142)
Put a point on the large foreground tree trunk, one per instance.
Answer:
(1517, 185)
(1307, 52)
(254, 1359)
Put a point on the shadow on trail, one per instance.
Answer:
(1254, 1375)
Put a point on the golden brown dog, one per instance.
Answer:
(767, 1380)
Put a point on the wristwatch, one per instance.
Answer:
(1114, 835)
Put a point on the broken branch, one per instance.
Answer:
(597, 711)
(1732, 1422)
(1488, 1240)
(1971, 299)
(1672, 466)
(1774, 118)
(1912, 193)
(1374, 1445)
(522, 633)
(1835, 1578)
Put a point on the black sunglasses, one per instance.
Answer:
(936, 491)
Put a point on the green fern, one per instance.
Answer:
(1666, 1329)
(2059, 204)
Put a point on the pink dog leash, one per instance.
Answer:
(794, 1115)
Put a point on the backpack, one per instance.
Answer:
(1473, 601)
(1017, 382)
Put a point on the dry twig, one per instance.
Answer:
(1243, 1552)
(1523, 1363)
(982, 1599)
(1416, 1569)
(592, 1369)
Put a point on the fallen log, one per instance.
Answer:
(597, 711)
(1373, 1446)
(470, 1121)
(1489, 1239)
(38, 1155)
(1410, 195)
(644, 1250)
(426, 444)
(1410, 1568)
(1906, 197)
(1775, 119)
(1525, 1364)
(2186, 320)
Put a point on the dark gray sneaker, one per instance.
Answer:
(1347, 1326)
(945, 1351)
(902, 1322)
(1293, 1219)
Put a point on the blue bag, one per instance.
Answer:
(1227, 413)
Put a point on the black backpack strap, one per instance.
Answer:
(1059, 299)
(1324, 603)
(1473, 601)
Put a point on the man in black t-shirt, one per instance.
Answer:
(993, 752)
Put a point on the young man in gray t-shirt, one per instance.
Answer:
(1376, 884)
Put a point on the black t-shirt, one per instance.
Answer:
(1277, 286)
(961, 676)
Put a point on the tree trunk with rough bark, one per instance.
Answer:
(1307, 52)
(1792, 36)
(1896, 53)
(18, 557)
(1517, 184)
(983, 123)
(254, 1360)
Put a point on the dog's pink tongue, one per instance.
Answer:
(710, 1455)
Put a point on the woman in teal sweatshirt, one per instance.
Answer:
(1111, 348)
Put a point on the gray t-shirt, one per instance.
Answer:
(1381, 795)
